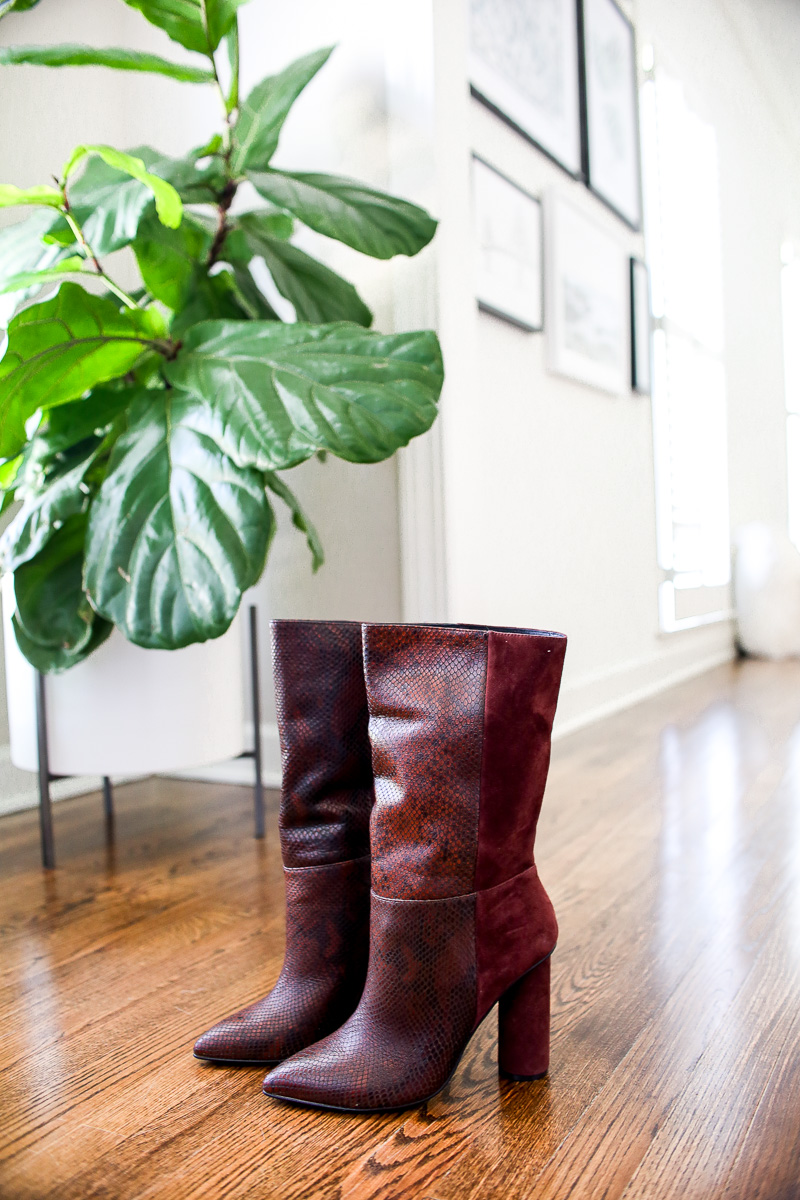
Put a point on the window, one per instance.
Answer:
(790, 295)
(682, 232)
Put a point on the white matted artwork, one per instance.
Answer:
(508, 234)
(524, 64)
(586, 299)
(612, 126)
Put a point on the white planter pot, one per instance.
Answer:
(129, 711)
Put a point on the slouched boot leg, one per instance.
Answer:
(326, 799)
(460, 724)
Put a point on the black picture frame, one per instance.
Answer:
(492, 89)
(595, 168)
(495, 307)
(641, 328)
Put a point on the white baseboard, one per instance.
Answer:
(20, 789)
(633, 693)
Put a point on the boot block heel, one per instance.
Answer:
(523, 1042)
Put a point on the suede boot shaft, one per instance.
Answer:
(460, 725)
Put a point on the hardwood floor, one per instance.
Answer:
(670, 842)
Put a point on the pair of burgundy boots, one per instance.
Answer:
(414, 764)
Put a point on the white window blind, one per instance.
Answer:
(682, 231)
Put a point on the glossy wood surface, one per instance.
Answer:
(670, 841)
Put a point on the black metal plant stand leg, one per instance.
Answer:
(255, 753)
(46, 777)
(45, 805)
(108, 800)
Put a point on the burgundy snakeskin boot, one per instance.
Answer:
(326, 801)
(460, 722)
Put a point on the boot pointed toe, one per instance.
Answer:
(297, 1079)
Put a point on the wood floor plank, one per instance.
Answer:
(670, 840)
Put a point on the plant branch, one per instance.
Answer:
(223, 227)
(90, 254)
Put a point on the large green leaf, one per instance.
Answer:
(372, 222)
(54, 660)
(23, 252)
(70, 425)
(11, 196)
(263, 113)
(278, 393)
(54, 624)
(300, 518)
(62, 494)
(107, 56)
(9, 6)
(177, 531)
(168, 203)
(61, 348)
(168, 258)
(317, 293)
(75, 265)
(197, 24)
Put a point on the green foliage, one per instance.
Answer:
(282, 392)
(47, 503)
(60, 349)
(11, 196)
(367, 220)
(37, 279)
(317, 293)
(197, 24)
(9, 6)
(170, 260)
(168, 203)
(178, 531)
(141, 434)
(23, 252)
(300, 519)
(267, 107)
(107, 56)
(55, 625)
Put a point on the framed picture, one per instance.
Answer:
(524, 64)
(641, 327)
(508, 234)
(610, 109)
(586, 299)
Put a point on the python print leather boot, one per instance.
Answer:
(460, 723)
(326, 800)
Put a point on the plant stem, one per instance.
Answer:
(233, 58)
(229, 105)
(92, 257)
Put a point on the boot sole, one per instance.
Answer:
(425, 1099)
(238, 1062)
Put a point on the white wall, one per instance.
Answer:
(548, 485)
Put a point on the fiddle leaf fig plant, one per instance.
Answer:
(145, 434)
